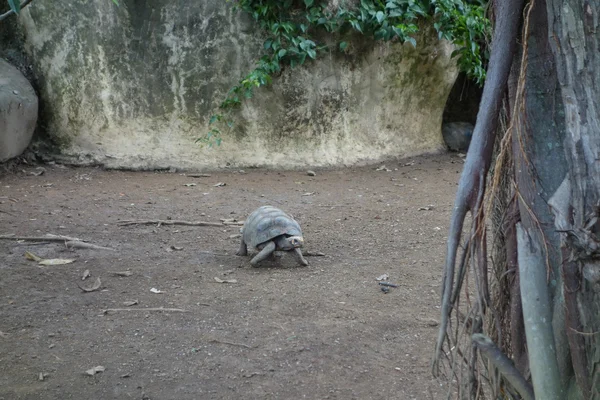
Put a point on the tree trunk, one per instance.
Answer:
(554, 144)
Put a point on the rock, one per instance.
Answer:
(18, 111)
(125, 102)
(457, 135)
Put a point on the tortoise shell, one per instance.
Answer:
(266, 223)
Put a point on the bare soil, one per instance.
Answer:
(281, 331)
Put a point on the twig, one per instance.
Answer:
(10, 12)
(82, 245)
(171, 222)
(504, 365)
(108, 310)
(232, 343)
(313, 254)
(49, 238)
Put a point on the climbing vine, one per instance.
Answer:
(293, 26)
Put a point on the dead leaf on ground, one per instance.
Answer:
(235, 235)
(383, 168)
(56, 261)
(86, 274)
(130, 303)
(95, 286)
(32, 257)
(122, 273)
(427, 208)
(189, 184)
(311, 173)
(199, 175)
(308, 194)
(219, 184)
(95, 370)
(174, 248)
(383, 277)
(219, 280)
(155, 290)
(39, 171)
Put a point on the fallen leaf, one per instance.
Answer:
(218, 280)
(122, 273)
(95, 370)
(130, 303)
(311, 173)
(189, 184)
(308, 194)
(199, 175)
(176, 248)
(94, 287)
(56, 261)
(32, 257)
(219, 184)
(155, 290)
(383, 277)
(383, 168)
(86, 274)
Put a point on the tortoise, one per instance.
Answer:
(268, 229)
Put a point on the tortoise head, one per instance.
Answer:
(292, 242)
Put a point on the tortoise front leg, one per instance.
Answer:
(264, 253)
(300, 257)
(243, 250)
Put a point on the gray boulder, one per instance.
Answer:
(457, 135)
(18, 111)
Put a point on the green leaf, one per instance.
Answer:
(116, 2)
(311, 53)
(282, 53)
(15, 6)
(343, 46)
(380, 16)
(308, 3)
(267, 44)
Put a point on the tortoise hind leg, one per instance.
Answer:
(243, 250)
(299, 257)
(264, 253)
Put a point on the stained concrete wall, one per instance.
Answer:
(134, 86)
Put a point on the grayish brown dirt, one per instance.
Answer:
(325, 331)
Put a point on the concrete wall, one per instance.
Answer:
(134, 86)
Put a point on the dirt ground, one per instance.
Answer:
(281, 331)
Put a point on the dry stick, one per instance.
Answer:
(10, 12)
(481, 149)
(232, 343)
(173, 222)
(53, 238)
(82, 245)
(145, 309)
